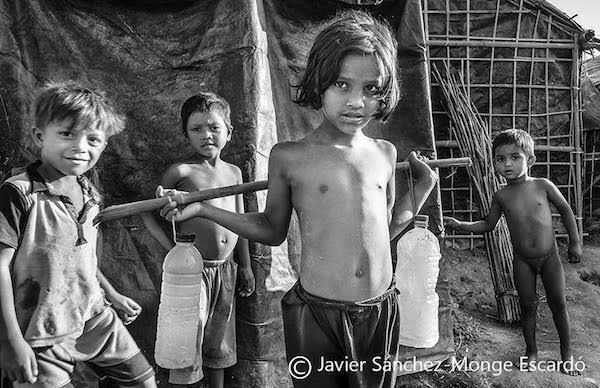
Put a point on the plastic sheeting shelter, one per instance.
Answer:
(149, 56)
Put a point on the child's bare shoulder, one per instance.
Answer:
(233, 171)
(286, 150)
(287, 156)
(231, 167)
(386, 147)
(502, 194)
(542, 182)
(177, 170)
(291, 145)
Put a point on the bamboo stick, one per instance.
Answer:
(510, 60)
(520, 86)
(490, 116)
(132, 208)
(510, 44)
(472, 11)
(454, 144)
(531, 77)
(437, 163)
(522, 115)
(578, 192)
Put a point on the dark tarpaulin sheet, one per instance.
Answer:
(149, 56)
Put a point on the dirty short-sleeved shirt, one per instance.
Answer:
(54, 267)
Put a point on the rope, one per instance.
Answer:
(506, 293)
(174, 231)
(411, 190)
(173, 224)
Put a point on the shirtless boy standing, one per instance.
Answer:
(206, 123)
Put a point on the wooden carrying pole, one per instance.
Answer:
(132, 208)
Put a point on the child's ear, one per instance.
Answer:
(531, 160)
(229, 133)
(38, 136)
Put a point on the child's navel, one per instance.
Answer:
(323, 189)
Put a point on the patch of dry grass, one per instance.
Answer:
(467, 330)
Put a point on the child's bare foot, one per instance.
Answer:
(530, 361)
(567, 366)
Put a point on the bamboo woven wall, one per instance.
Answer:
(519, 61)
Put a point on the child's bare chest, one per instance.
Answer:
(340, 173)
(525, 202)
(201, 179)
(205, 180)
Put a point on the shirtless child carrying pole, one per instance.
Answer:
(341, 185)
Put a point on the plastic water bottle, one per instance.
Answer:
(179, 308)
(417, 270)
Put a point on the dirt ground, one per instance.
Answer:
(485, 343)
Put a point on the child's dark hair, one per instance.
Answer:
(517, 137)
(205, 102)
(351, 32)
(87, 108)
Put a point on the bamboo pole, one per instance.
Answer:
(555, 113)
(514, 67)
(531, 77)
(481, 236)
(146, 205)
(507, 44)
(454, 144)
(518, 59)
(547, 93)
(472, 11)
(132, 208)
(490, 117)
(578, 192)
(521, 86)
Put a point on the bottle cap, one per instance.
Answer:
(422, 218)
(185, 237)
